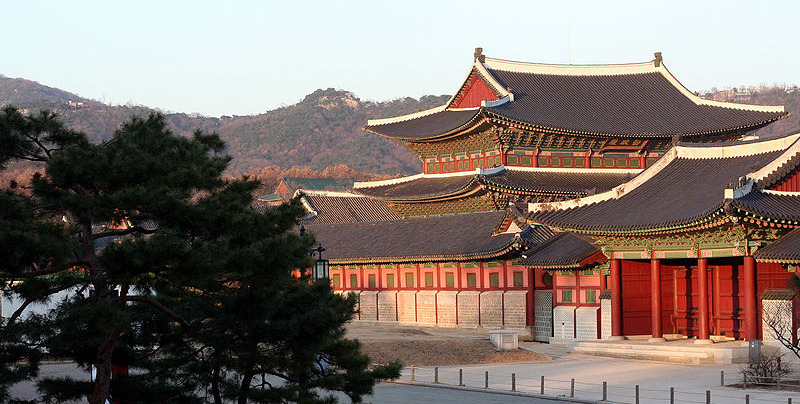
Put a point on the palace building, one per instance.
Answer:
(573, 202)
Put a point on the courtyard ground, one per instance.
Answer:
(433, 347)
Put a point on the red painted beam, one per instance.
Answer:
(616, 298)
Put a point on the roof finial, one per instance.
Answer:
(658, 60)
(479, 55)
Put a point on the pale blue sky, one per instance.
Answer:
(237, 57)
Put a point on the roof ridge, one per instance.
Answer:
(393, 181)
(620, 70)
(406, 117)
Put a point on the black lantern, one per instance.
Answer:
(321, 265)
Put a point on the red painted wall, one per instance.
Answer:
(636, 297)
(680, 298)
(475, 92)
(789, 183)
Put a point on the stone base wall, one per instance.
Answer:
(564, 322)
(467, 309)
(426, 307)
(515, 308)
(605, 318)
(446, 312)
(586, 322)
(368, 305)
(492, 309)
(468, 314)
(387, 306)
(407, 307)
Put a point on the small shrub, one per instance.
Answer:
(767, 369)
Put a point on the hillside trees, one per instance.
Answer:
(167, 270)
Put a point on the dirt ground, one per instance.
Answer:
(420, 347)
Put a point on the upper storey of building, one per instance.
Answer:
(543, 115)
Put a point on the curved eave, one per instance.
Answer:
(778, 261)
(565, 131)
(713, 218)
(529, 191)
(467, 190)
(429, 258)
(474, 121)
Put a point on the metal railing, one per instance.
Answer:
(476, 378)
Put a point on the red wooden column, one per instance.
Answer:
(603, 282)
(702, 305)
(616, 299)
(655, 302)
(750, 307)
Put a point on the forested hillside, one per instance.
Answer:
(322, 130)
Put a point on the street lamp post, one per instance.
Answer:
(321, 265)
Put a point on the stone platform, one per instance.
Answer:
(676, 350)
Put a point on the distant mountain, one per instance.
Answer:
(322, 130)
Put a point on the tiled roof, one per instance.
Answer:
(785, 250)
(772, 205)
(419, 188)
(321, 184)
(556, 181)
(678, 193)
(777, 294)
(565, 250)
(457, 237)
(643, 104)
(426, 126)
(631, 100)
(336, 209)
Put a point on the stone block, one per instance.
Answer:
(468, 309)
(504, 340)
(426, 307)
(564, 322)
(586, 322)
(368, 305)
(605, 318)
(516, 309)
(446, 301)
(407, 307)
(492, 309)
(387, 306)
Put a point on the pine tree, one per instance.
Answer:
(168, 270)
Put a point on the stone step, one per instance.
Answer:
(648, 347)
(654, 353)
(677, 353)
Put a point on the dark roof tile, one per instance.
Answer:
(566, 250)
(337, 209)
(427, 126)
(562, 182)
(785, 250)
(457, 237)
(419, 188)
(643, 104)
(675, 196)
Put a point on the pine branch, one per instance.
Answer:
(122, 232)
(160, 307)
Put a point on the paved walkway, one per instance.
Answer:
(622, 375)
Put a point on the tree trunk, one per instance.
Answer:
(102, 382)
(247, 379)
(215, 386)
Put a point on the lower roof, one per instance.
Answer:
(784, 250)
(671, 194)
(564, 251)
(447, 238)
